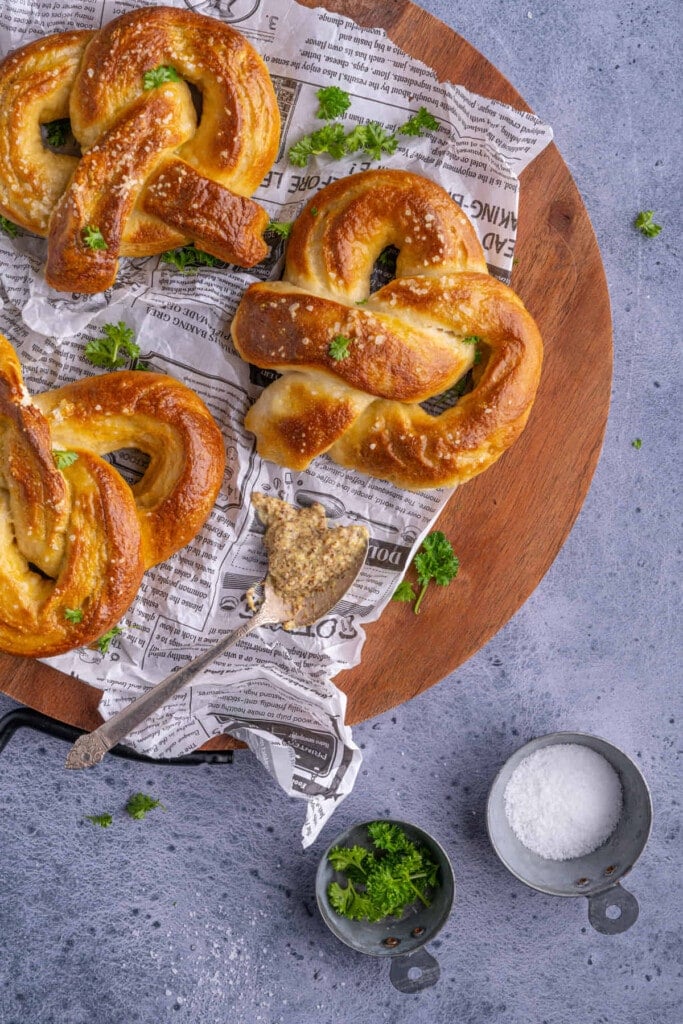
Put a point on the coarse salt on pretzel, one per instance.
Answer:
(79, 539)
(152, 175)
(409, 341)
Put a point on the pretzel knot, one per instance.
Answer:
(356, 366)
(75, 542)
(151, 175)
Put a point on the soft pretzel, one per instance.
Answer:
(150, 177)
(411, 340)
(79, 539)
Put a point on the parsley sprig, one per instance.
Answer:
(57, 132)
(73, 614)
(436, 561)
(283, 228)
(646, 224)
(104, 642)
(338, 348)
(140, 804)
(384, 880)
(93, 237)
(333, 102)
(114, 348)
(371, 138)
(9, 227)
(103, 820)
(159, 75)
(187, 259)
(63, 458)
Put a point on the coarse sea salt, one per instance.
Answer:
(563, 801)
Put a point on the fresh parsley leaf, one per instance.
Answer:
(103, 820)
(57, 132)
(637, 443)
(63, 458)
(9, 227)
(646, 225)
(158, 75)
(351, 860)
(114, 348)
(105, 640)
(333, 102)
(472, 339)
(314, 211)
(93, 237)
(73, 614)
(362, 302)
(434, 561)
(386, 836)
(420, 122)
(404, 592)
(377, 140)
(283, 228)
(140, 804)
(187, 259)
(339, 348)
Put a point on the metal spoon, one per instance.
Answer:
(91, 748)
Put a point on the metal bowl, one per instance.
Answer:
(401, 939)
(596, 875)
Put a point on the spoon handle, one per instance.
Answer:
(91, 748)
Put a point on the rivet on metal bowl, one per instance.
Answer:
(611, 869)
(582, 881)
(391, 941)
(417, 931)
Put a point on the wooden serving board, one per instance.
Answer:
(508, 524)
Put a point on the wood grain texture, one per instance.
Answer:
(508, 524)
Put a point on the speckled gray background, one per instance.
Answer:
(206, 913)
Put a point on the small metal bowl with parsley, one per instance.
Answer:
(385, 887)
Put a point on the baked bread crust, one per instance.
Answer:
(151, 176)
(80, 538)
(407, 342)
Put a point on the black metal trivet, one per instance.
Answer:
(26, 718)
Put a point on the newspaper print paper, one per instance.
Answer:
(275, 689)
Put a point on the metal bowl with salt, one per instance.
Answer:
(596, 875)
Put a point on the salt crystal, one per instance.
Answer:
(563, 801)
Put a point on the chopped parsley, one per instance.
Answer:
(63, 458)
(93, 237)
(103, 820)
(384, 880)
(420, 122)
(159, 75)
(140, 804)
(73, 614)
(104, 642)
(9, 227)
(187, 259)
(339, 348)
(646, 225)
(114, 348)
(637, 443)
(333, 102)
(57, 132)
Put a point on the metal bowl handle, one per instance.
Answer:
(411, 963)
(602, 902)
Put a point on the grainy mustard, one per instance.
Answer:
(304, 554)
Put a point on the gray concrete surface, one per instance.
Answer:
(206, 913)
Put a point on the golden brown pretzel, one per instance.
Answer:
(79, 539)
(150, 176)
(404, 344)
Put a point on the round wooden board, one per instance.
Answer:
(508, 524)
